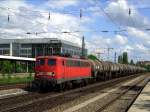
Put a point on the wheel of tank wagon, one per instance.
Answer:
(94, 77)
(93, 80)
(120, 73)
(98, 78)
(109, 77)
(90, 80)
(115, 75)
(96, 74)
(104, 76)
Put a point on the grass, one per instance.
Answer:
(15, 79)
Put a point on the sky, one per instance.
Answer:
(123, 25)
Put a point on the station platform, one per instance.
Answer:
(142, 103)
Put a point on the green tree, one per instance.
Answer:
(92, 57)
(125, 58)
(120, 59)
(7, 68)
(131, 62)
(147, 67)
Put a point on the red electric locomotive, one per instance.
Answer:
(55, 70)
(62, 72)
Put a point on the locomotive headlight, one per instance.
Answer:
(41, 73)
(50, 73)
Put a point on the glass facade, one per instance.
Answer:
(45, 49)
(26, 50)
(55, 47)
(4, 49)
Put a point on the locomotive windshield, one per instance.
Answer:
(51, 62)
(40, 62)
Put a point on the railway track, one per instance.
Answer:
(102, 100)
(12, 86)
(114, 100)
(40, 102)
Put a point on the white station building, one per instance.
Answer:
(32, 47)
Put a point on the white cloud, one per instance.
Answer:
(119, 39)
(25, 19)
(128, 47)
(13, 4)
(99, 42)
(141, 47)
(139, 34)
(60, 4)
(119, 12)
(29, 18)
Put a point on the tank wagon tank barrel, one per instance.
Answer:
(107, 70)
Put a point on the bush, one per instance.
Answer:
(92, 57)
(15, 80)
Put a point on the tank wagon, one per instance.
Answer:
(61, 72)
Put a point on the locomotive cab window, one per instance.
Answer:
(51, 61)
(40, 62)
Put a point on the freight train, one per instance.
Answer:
(64, 72)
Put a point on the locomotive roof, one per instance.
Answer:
(60, 57)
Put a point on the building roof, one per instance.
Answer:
(36, 40)
(16, 58)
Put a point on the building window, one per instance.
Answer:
(24, 51)
(4, 46)
(1, 52)
(25, 45)
(6, 52)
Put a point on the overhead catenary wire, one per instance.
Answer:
(49, 17)
(104, 31)
(71, 12)
(24, 15)
(106, 14)
(109, 17)
(46, 12)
